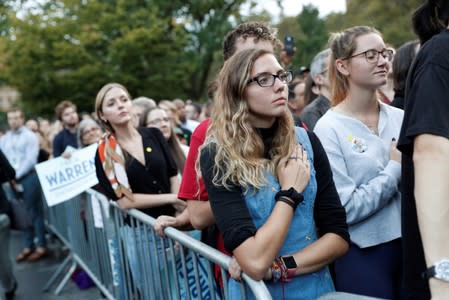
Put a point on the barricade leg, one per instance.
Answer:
(58, 272)
(66, 278)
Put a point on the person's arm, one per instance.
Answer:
(320, 253)
(200, 213)
(256, 254)
(431, 164)
(150, 200)
(181, 222)
(140, 200)
(253, 250)
(7, 172)
(174, 185)
(330, 219)
(192, 189)
(359, 200)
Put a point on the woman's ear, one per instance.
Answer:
(342, 67)
(100, 115)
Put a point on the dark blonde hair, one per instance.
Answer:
(343, 45)
(99, 103)
(239, 148)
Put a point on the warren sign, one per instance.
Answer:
(64, 178)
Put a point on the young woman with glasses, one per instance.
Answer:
(269, 183)
(359, 134)
(158, 118)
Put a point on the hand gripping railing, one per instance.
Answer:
(258, 288)
(127, 260)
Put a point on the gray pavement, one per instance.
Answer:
(32, 277)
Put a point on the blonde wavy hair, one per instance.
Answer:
(239, 148)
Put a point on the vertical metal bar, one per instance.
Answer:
(196, 274)
(158, 264)
(174, 270)
(211, 280)
(225, 278)
(184, 268)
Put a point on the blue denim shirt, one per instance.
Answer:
(302, 232)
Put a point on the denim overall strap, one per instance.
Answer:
(302, 233)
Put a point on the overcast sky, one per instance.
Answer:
(293, 7)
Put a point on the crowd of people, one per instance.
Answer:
(332, 178)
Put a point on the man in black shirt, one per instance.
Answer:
(424, 142)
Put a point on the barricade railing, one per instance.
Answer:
(127, 260)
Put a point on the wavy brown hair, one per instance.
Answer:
(343, 45)
(239, 148)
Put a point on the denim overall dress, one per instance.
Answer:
(301, 233)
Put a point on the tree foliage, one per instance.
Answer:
(67, 49)
(309, 32)
(391, 17)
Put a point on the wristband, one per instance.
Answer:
(288, 201)
(280, 272)
(292, 194)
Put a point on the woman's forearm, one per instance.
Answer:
(320, 253)
(151, 200)
(174, 184)
(256, 254)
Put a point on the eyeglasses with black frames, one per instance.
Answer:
(268, 79)
(372, 55)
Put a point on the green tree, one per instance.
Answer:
(391, 17)
(309, 32)
(70, 48)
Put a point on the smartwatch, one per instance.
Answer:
(290, 264)
(440, 270)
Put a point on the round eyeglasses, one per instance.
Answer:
(268, 79)
(372, 55)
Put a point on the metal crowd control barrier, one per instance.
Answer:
(127, 260)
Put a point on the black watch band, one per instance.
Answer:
(439, 270)
(292, 194)
(429, 273)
